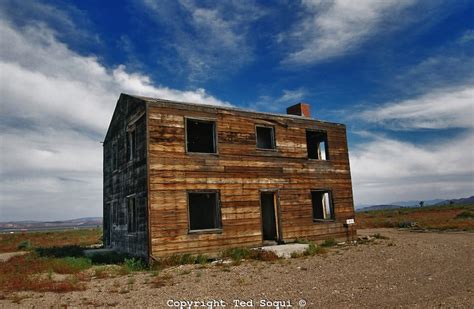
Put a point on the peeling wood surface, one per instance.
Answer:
(239, 171)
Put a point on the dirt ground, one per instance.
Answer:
(410, 269)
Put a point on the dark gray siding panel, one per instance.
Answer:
(128, 179)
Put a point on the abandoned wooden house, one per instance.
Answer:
(193, 178)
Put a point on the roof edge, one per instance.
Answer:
(158, 100)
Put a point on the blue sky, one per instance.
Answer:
(399, 74)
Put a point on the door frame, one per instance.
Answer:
(276, 209)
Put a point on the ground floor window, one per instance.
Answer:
(322, 205)
(204, 211)
(132, 219)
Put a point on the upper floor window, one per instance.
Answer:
(201, 136)
(131, 144)
(322, 205)
(265, 137)
(317, 145)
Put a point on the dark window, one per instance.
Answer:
(322, 205)
(132, 215)
(131, 145)
(203, 210)
(114, 156)
(317, 144)
(265, 137)
(200, 136)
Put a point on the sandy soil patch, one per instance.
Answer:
(410, 269)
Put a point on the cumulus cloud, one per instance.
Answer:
(334, 28)
(385, 169)
(439, 109)
(56, 105)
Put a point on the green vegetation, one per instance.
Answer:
(183, 259)
(25, 245)
(329, 243)
(238, 254)
(465, 215)
(134, 264)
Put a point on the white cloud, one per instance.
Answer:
(211, 39)
(386, 170)
(334, 28)
(56, 105)
(439, 109)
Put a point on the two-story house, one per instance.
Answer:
(192, 178)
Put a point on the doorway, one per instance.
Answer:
(270, 219)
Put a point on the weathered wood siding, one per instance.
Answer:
(130, 178)
(239, 171)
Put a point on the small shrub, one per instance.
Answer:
(202, 259)
(70, 265)
(295, 255)
(101, 272)
(406, 224)
(186, 259)
(134, 264)
(182, 259)
(313, 249)
(24, 245)
(329, 243)
(465, 215)
(236, 254)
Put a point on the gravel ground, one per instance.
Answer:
(410, 269)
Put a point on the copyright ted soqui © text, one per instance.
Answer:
(236, 303)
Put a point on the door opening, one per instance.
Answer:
(270, 226)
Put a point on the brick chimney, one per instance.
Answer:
(300, 109)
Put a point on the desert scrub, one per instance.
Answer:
(25, 245)
(313, 249)
(81, 237)
(238, 254)
(329, 243)
(134, 264)
(70, 265)
(465, 215)
(182, 259)
(30, 273)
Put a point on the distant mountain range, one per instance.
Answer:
(435, 202)
(50, 225)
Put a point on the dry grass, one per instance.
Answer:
(32, 273)
(82, 237)
(439, 218)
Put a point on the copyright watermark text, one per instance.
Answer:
(236, 303)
